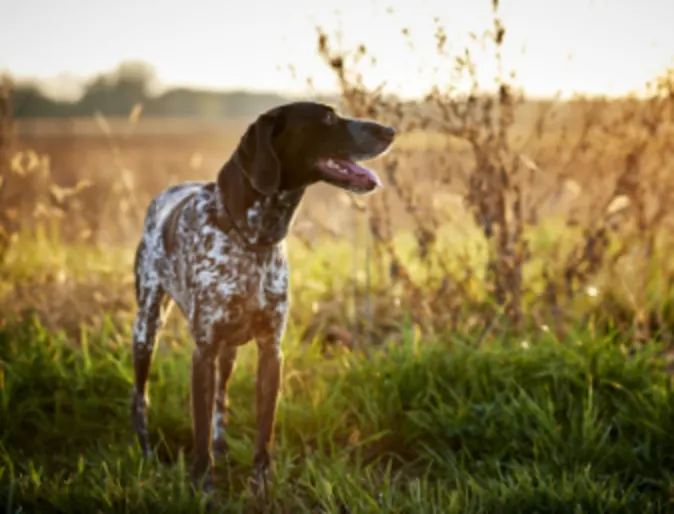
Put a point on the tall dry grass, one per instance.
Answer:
(567, 212)
(499, 214)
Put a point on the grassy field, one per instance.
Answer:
(491, 332)
(433, 402)
(424, 427)
(456, 422)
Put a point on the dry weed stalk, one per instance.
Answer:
(5, 144)
(509, 183)
(28, 192)
(104, 208)
(564, 211)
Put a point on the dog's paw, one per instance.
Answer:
(139, 406)
(220, 448)
(203, 490)
(259, 481)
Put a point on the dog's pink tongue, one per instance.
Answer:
(363, 175)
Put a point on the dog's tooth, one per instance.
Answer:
(332, 164)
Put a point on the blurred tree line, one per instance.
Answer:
(117, 92)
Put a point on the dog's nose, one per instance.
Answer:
(387, 133)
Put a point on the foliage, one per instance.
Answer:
(485, 334)
(422, 426)
(612, 160)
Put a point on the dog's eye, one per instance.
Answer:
(330, 118)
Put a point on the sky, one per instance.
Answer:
(585, 46)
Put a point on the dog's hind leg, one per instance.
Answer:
(150, 297)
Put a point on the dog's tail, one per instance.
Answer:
(166, 310)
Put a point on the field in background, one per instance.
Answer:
(141, 158)
(490, 332)
(125, 161)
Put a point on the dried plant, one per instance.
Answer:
(613, 157)
(5, 149)
(500, 213)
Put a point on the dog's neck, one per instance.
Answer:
(263, 221)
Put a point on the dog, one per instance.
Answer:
(217, 251)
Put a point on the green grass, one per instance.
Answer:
(458, 424)
(425, 426)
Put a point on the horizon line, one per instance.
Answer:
(163, 88)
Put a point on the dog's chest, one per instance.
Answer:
(226, 272)
(217, 281)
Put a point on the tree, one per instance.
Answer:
(116, 93)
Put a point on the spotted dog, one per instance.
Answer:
(217, 250)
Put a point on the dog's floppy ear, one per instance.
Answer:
(261, 164)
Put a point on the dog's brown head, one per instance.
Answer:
(298, 144)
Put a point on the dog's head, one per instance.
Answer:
(298, 144)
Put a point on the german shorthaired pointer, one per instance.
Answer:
(217, 250)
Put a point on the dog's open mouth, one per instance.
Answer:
(349, 174)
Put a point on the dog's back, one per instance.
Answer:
(164, 205)
(158, 240)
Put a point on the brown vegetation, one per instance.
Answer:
(498, 214)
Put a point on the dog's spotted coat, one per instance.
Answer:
(217, 250)
(215, 280)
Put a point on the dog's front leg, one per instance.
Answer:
(270, 360)
(226, 360)
(203, 387)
